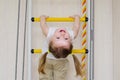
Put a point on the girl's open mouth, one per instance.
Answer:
(62, 30)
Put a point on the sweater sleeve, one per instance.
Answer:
(70, 31)
(50, 33)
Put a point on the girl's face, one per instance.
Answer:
(61, 38)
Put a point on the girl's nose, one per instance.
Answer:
(62, 33)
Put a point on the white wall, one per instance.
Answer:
(116, 38)
(8, 31)
(103, 53)
(11, 52)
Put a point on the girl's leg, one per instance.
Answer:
(48, 71)
(60, 69)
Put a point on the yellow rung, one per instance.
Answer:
(52, 19)
(78, 51)
(37, 51)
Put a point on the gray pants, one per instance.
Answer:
(55, 69)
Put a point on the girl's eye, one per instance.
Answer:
(58, 38)
(66, 38)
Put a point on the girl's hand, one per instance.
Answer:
(43, 18)
(43, 24)
(76, 25)
(75, 17)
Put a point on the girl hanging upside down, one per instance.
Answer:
(53, 64)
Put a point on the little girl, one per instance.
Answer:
(53, 64)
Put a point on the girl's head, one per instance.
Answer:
(60, 43)
(61, 38)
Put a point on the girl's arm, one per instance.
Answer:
(43, 24)
(76, 25)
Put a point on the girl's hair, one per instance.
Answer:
(77, 66)
(42, 63)
(59, 53)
